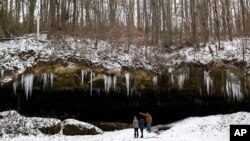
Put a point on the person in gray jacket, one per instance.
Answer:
(136, 126)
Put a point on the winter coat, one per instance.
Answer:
(141, 123)
(135, 123)
(148, 117)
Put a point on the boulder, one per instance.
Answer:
(74, 127)
(51, 130)
(111, 126)
(13, 124)
(163, 127)
(11, 113)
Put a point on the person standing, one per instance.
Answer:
(148, 120)
(141, 126)
(136, 126)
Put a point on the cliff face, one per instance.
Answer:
(24, 53)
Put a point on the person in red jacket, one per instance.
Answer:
(148, 120)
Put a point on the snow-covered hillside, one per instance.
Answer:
(18, 55)
(210, 128)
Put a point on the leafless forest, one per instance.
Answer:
(142, 22)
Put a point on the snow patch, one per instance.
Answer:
(209, 128)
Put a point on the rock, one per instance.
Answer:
(163, 128)
(14, 124)
(74, 127)
(51, 130)
(78, 130)
(111, 126)
(9, 114)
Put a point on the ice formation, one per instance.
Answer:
(127, 82)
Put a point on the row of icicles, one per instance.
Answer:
(46, 79)
(232, 86)
(27, 82)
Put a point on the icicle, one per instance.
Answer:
(172, 79)
(114, 82)
(44, 77)
(2, 73)
(22, 79)
(182, 78)
(170, 70)
(107, 83)
(233, 87)
(28, 84)
(208, 81)
(14, 87)
(155, 81)
(51, 79)
(82, 76)
(127, 82)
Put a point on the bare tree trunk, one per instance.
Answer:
(138, 15)
(32, 5)
(112, 13)
(193, 19)
(217, 22)
(52, 15)
(145, 13)
(74, 13)
(164, 19)
(88, 20)
(182, 21)
(228, 17)
(243, 27)
(169, 21)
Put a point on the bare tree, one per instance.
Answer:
(228, 17)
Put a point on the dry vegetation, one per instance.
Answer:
(141, 22)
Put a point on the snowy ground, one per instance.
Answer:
(18, 55)
(210, 128)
